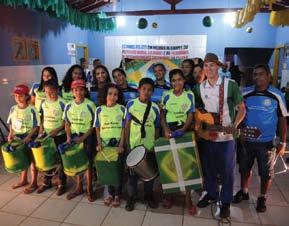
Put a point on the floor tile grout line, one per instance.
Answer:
(183, 218)
(16, 214)
(66, 215)
(24, 219)
(34, 210)
(9, 178)
(38, 206)
(9, 201)
(110, 208)
(146, 210)
(282, 193)
(45, 219)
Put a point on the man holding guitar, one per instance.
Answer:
(266, 108)
(221, 97)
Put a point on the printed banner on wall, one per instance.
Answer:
(152, 47)
(139, 68)
(155, 51)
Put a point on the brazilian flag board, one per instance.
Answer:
(45, 156)
(178, 163)
(108, 166)
(74, 160)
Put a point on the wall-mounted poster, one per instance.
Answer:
(33, 49)
(25, 49)
(19, 49)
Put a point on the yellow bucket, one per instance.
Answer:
(74, 160)
(15, 160)
(45, 155)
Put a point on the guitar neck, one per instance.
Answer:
(219, 128)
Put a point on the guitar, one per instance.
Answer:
(206, 127)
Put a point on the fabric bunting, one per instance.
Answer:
(60, 9)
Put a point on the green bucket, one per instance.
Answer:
(45, 156)
(108, 166)
(74, 160)
(17, 160)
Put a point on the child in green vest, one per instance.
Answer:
(139, 132)
(177, 108)
(23, 122)
(73, 73)
(109, 124)
(37, 91)
(52, 124)
(79, 118)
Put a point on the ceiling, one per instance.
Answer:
(88, 6)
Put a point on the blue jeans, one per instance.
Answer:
(219, 161)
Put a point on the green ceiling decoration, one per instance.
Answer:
(60, 9)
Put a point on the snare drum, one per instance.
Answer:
(143, 164)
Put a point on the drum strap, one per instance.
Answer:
(145, 117)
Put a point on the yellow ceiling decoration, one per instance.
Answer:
(247, 14)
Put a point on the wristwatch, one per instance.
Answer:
(283, 143)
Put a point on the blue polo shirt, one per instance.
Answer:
(263, 110)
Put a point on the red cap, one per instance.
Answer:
(21, 90)
(78, 83)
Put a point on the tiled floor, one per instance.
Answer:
(47, 209)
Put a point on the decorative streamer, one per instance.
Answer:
(60, 9)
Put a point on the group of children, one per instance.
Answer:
(66, 114)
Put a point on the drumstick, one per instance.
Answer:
(41, 138)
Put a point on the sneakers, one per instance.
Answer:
(261, 204)
(130, 204)
(225, 210)
(207, 200)
(240, 196)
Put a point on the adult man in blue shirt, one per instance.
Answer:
(266, 110)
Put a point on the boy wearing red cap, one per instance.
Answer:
(51, 123)
(23, 122)
(79, 118)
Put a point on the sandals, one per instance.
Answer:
(43, 188)
(167, 203)
(61, 189)
(29, 189)
(192, 210)
(91, 197)
(108, 200)
(19, 184)
(73, 194)
(116, 202)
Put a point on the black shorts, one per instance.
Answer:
(60, 139)
(264, 153)
(90, 147)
